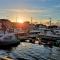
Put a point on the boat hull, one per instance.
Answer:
(9, 44)
(49, 37)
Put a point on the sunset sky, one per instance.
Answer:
(39, 10)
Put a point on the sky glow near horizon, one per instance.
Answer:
(39, 10)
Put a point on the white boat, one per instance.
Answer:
(48, 34)
(57, 31)
(36, 32)
(33, 33)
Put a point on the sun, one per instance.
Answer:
(20, 20)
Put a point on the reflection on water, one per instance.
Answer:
(30, 51)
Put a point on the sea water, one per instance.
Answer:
(29, 51)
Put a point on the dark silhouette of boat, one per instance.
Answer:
(9, 40)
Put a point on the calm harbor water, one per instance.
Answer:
(31, 51)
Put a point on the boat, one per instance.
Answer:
(35, 32)
(9, 40)
(49, 35)
(57, 31)
(22, 36)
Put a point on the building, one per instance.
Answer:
(5, 24)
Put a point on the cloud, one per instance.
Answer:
(35, 0)
(24, 10)
(30, 10)
(42, 0)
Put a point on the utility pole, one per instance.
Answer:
(16, 19)
(31, 20)
(50, 21)
(16, 22)
(40, 22)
